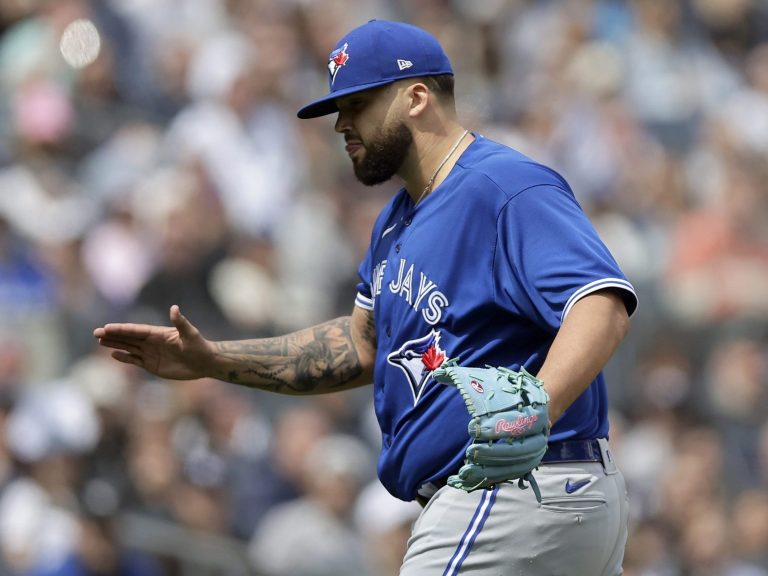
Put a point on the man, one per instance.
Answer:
(484, 256)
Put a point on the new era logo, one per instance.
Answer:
(403, 64)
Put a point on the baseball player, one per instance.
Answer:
(484, 257)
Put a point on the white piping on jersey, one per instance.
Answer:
(388, 230)
(594, 287)
(363, 302)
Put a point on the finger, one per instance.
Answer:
(180, 322)
(121, 331)
(127, 358)
(120, 345)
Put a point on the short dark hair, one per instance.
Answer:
(441, 85)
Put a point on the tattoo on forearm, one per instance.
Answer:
(369, 330)
(311, 361)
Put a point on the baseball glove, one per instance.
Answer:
(509, 425)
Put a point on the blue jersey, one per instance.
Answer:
(484, 270)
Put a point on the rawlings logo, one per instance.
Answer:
(336, 60)
(518, 427)
(417, 359)
(477, 386)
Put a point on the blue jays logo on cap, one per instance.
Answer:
(383, 52)
(336, 60)
(417, 359)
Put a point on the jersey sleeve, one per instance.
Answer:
(549, 256)
(364, 298)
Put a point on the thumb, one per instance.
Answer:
(180, 322)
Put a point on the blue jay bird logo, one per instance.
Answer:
(417, 359)
(336, 60)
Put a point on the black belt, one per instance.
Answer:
(557, 453)
(573, 451)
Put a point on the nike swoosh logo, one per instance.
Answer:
(388, 230)
(570, 488)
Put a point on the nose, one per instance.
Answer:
(342, 124)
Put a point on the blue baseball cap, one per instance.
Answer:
(374, 54)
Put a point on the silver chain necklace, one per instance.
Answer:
(428, 187)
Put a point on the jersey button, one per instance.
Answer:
(408, 221)
(397, 248)
(389, 332)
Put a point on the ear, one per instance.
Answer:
(418, 99)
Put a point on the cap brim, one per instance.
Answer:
(322, 107)
(327, 104)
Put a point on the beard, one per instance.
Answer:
(384, 155)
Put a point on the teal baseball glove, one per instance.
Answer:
(509, 425)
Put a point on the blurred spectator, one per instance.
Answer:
(34, 532)
(650, 551)
(28, 307)
(318, 524)
(99, 553)
(693, 481)
(673, 75)
(706, 547)
(152, 463)
(241, 139)
(224, 439)
(734, 26)
(278, 475)
(117, 258)
(48, 433)
(749, 518)
(385, 523)
(718, 250)
(736, 379)
(176, 207)
(744, 115)
(762, 453)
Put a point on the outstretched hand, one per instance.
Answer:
(177, 352)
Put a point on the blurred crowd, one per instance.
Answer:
(173, 170)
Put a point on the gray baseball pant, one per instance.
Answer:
(579, 529)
